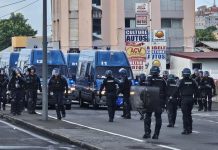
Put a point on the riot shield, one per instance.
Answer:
(145, 97)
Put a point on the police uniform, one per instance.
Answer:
(152, 103)
(32, 85)
(57, 85)
(172, 101)
(124, 88)
(3, 88)
(110, 86)
(210, 90)
(201, 92)
(187, 89)
(17, 86)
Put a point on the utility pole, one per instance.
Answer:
(150, 28)
(44, 65)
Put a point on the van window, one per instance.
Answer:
(112, 59)
(53, 57)
(83, 69)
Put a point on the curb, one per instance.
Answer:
(48, 133)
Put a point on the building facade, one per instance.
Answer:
(84, 24)
(177, 17)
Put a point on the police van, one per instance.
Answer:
(92, 66)
(9, 61)
(72, 62)
(55, 59)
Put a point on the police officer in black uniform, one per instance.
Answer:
(156, 105)
(195, 74)
(165, 75)
(16, 86)
(32, 85)
(3, 88)
(201, 90)
(124, 88)
(172, 100)
(56, 87)
(110, 85)
(187, 89)
(210, 90)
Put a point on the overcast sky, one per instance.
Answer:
(34, 12)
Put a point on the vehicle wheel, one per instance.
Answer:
(95, 105)
(68, 106)
(81, 103)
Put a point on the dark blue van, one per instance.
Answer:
(9, 61)
(55, 59)
(72, 62)
(92, 66)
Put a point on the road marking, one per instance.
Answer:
(100, 130)
(169, 147)
(206, 120)
(22, 147)
(197, 132)
(108, 132)
(30, 133)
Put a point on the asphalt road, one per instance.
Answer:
(14, 138)
(204, 135)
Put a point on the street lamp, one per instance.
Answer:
(44, 65)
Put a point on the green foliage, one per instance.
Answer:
(205, 34)
(16, 25)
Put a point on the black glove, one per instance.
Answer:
(195, 101)
(100, 95)
(214, 93)
(66, 95)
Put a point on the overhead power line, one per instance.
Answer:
(12, 3)
(19, 9)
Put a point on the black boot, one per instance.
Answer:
(155, 136)
(146, 136)
(209, 106)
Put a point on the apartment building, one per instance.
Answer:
(84, 24)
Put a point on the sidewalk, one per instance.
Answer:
(74, 134)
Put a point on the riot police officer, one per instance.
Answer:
(57, 85)
(16, 86)
(172, 100)
(165, 75)
(124, 88)
(187, 89)
(195, 74)
(32, 85)
(3, 88)
(210, 90)
(154, 98)
(142, 79)
(110, 85)
(201, 90)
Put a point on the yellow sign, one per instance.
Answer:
(135, 51)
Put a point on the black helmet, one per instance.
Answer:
(171, 77)
(154, 70)
(55, 72)
(31, 68)
(186, 72)
(2, 71)
(16, 71)
(196, 70)
(206, 74)
(108, 73)
(201, 73)
(123, 72)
